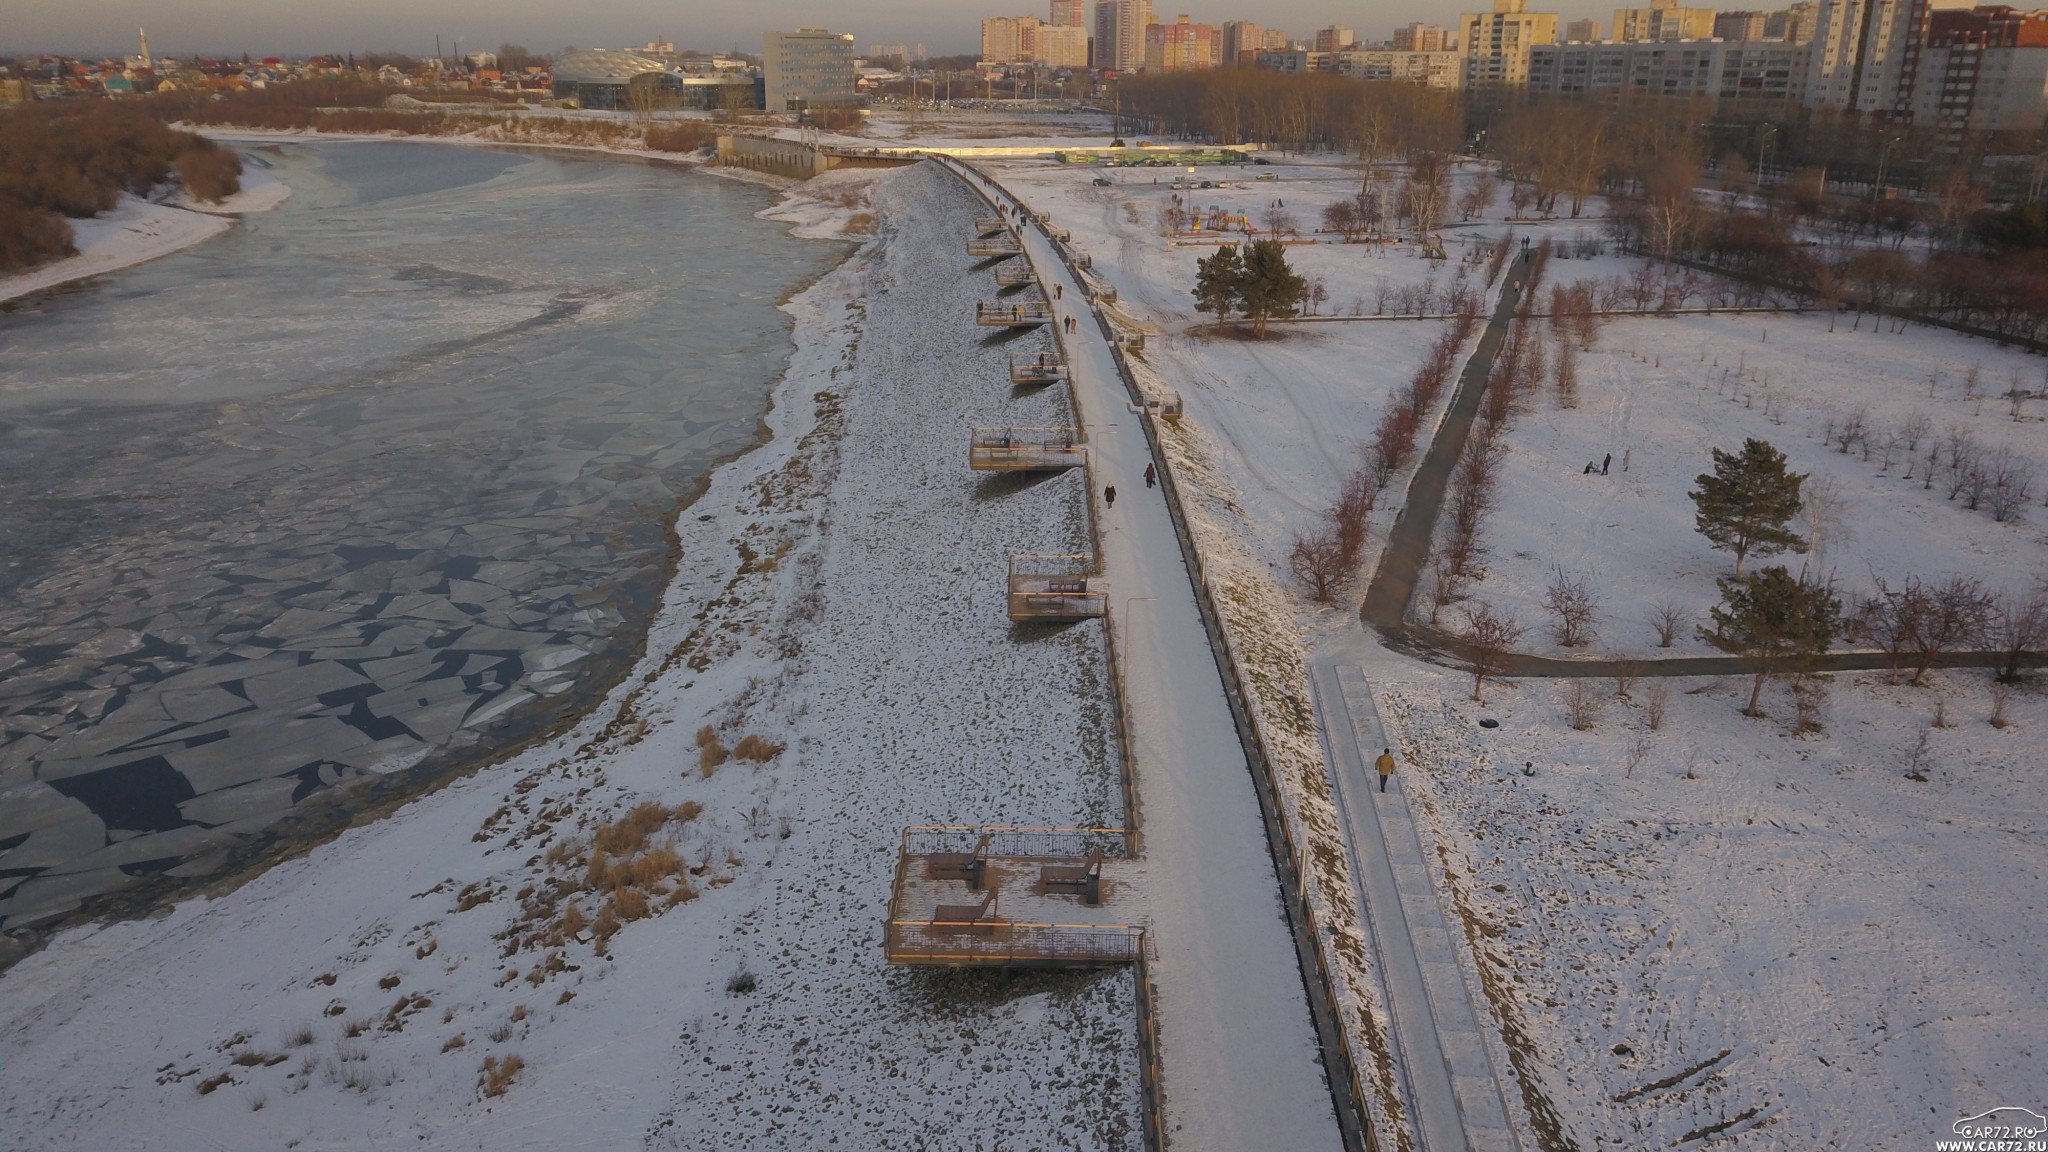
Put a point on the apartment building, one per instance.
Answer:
(1866, 54)
(1740, 25)
(1581, 31)
(1009, 39)
(1496, 44)
(1983, 70)
(1663, 20)
(1423, 38)
(1061, 46)
(1069, 14)
(1120, 34)
(1335, 39)
(1430, 69)
(1722, 70)
(1182, 45)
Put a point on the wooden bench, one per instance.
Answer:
(967, 866)
(1083, 880)
(966, 919)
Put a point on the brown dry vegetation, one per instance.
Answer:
(496, 1075)
(621, 867)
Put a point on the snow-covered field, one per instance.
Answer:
(1649, 399)
(1859, 940)
(841, 595)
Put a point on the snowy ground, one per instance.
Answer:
(841, 594)
(1789, 936)
(1633, 923)
(1650, 400)
(134, 232)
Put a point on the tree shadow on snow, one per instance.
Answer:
(1007, 336)
(1039, 631)
(982, 988)
(1000, 484)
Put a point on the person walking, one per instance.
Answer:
(1059, 290)
(1150, 476)
(1605, 461)
(1386, 766)
(1109, 496)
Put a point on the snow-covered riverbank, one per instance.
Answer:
(137, 231)
(840, 594)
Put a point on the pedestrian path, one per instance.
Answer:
(1454, 1097)
(1239, 1063)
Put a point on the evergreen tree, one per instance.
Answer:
(1268, 287)
(1771, 617)
(1745, 505)
(1216, 282)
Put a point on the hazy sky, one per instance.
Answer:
(298, 27)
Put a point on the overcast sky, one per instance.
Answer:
(299, 27)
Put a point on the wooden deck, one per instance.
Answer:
(1005, 244)
(1037, 367)
(1015, 314)
(1015, 273)
(1006, 898)
(1053, 588)
(1026, 449)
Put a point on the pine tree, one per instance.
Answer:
(1216, 282)
(1772, 618)
(1268, 287)
(1745, 505)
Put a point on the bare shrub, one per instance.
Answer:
(629, 833)
(1655, 702)
(681, 136)
(1626, 671)
(454, 1042)
(1348, 517)
(1638, 751)
(1489, 636)
(1567, 377)
(2001, 695)
(1668, 620)
(1581, 703)
(742, 983)
(1572, 601)
(2009, 480)
(1809, 697)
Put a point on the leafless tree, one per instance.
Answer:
(2009, 480)
(1921, 621)
(1823, 516)
(1279, 221)
(1572, 601)
(1344, 217)
(1489, 636)
(1809, 698)
(1478, 195)
(2019, 628)
(2001, 695)
(1657, 700)
(1669, 619)
(1567, 374)
(1581, 703)
(1318, 562)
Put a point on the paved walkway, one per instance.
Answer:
(1238, 1054)
(1453, 1096)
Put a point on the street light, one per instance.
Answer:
(1884, 157)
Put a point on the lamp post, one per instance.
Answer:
(1883, 158)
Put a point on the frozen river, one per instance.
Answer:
(358, 492)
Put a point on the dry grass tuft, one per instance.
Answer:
(757, 749)
(496, 1075)
(454, 1042)
(710, 753)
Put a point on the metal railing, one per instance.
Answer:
(1000, 943)
(1036, 843)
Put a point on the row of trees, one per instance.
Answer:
(61, 159)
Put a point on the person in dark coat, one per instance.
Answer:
(1605, 461)
(1109, 496)
(1151, 477)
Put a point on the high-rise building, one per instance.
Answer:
(1272, 40)
(1181, 45)
(1061, 46)
(1739, 25)
(1794, 25)
(1663, 20)
(807, 68)
(1120, 34)
(1983, 70)
(1334, 39)
(1496, 44)
(1582, 32)
(1240, 37)
(1009, 39)
(1069, 14)
(1866, 54)
(1720, 70)
(1421, 38)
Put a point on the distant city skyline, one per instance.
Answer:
(947, 27)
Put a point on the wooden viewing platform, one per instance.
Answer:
(1013, 314)
(1026, 449)
(1012, 898)
(1037, 367)
(989, 225)
(1012, 273)
(1005, 244)
(1053, 588)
